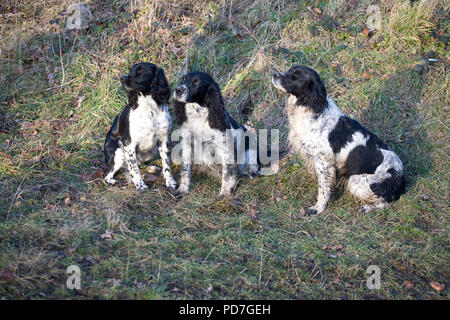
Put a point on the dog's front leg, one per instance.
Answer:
(229, 178)
(326, 177)
(185, 181)
(163, 149)
(132, 164)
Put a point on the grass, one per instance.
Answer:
(60, 92)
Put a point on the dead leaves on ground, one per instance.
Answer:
(437, 286)
(337, 250)
(107, 235)
(96, 174)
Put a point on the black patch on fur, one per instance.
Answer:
(390, 188)
(362, 159)
(179, 112)
(120, 130)
(343, 133)
(216, 115)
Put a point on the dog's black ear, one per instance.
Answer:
(179, 110)
(314, 97)
(160, 87)
(214, 102)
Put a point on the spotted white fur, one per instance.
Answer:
(308, 135)
(209, 151)
(149, 127)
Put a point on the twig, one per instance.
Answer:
(60, 85)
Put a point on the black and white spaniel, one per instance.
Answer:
(142, 127)
(200, 109)
(338, 149)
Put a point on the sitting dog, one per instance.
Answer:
(142, 127)
(200, 110)
(338, 149)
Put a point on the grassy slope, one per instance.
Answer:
(59, 93)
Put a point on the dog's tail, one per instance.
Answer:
(390, 188)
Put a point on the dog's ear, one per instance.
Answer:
(315, 96)
(179, 110)
(160, 87)
(214, 102)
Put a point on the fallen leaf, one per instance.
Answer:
(150, 177)
(253, 212)
(34, 160)
(365, 75)
(277, 199)
(408, 284)
(317, 11)
(56, 125)
(107, 234)
(302, 212)
(6, 274)
(437, 286)
(67, 201)
(366, 31)
(97, 174)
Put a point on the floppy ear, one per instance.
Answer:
(160, 88)
(179, 112)
(314, 97)
(214, 102)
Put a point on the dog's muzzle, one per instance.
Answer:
(124, 80)
(180, 93)
(276, 80)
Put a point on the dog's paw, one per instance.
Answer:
(364, 209)
(223, 194)
(311, 211)
(181, 191)
(110, 181)
(171, 185)
(141, 186)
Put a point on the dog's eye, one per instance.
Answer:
(195, 82)
(295, 75)
(138, 70)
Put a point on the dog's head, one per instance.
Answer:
(148, 79)
(305, 84)
(199, 87)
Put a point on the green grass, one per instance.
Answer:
(60, 92)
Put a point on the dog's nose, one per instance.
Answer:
(180, 90)
(124, 78)
(276, 75)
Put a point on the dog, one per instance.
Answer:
(141, 129)
(200, 109)
(337, 148)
